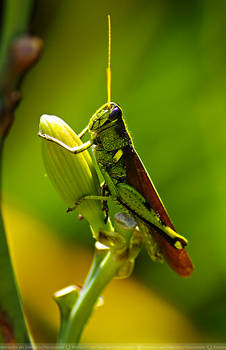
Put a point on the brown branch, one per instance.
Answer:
(24, 53)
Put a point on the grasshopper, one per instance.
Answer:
(127, 182)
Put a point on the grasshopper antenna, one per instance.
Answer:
(109, 64)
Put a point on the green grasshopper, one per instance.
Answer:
(126, 181)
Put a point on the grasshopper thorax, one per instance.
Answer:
(105, 117)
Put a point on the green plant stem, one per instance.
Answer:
(102, 272)
(106, 265)
(98, 258)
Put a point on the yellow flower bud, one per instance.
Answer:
(73, 175)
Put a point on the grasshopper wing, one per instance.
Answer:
(138, 178)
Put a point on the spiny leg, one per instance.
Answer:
(75, 150)
(105, 192)
(99, 198)
(83, 132)
(136, 203)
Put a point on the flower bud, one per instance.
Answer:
(73, 175)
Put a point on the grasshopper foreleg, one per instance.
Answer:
(75, 150)
(83, 132)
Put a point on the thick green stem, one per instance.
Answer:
(94, 285)
(98, 258)
(106, 265)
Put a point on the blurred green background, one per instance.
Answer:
(169, 75)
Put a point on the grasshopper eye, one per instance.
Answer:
(115, 114)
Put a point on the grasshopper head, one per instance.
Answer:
(106, 116)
